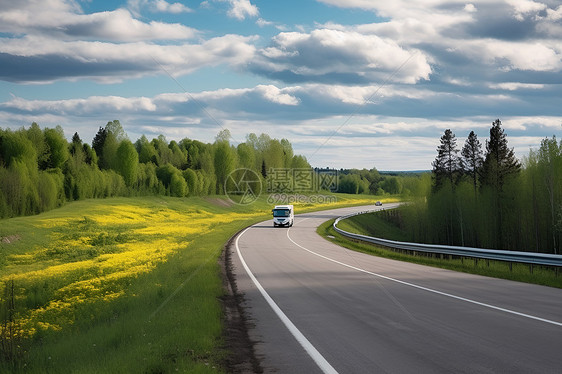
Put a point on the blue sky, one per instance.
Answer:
(351, 83)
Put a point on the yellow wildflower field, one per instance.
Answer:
(90, 259)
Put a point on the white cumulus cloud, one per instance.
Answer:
(161, 6)
(59, 19)
(240, 9)
(24, 60)
(329, 55)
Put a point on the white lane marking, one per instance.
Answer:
(322, 363)
(428, 289)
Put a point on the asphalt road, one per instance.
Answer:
(335, 310)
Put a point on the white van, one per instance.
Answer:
(283, 215)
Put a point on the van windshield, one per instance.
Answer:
(281, 213)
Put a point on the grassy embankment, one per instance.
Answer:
(373, 225)
(121, 284)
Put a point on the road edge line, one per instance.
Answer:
(322, 363)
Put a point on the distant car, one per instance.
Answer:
(378, 203)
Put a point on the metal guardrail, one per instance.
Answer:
(530, 258)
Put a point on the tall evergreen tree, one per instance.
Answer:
(446, 169)
(447, 164)
(550, 165)
(75, 146)
(90, 156)
(263, 169)
(106, 142)
(500, 161)
(472, 159)
(99, 142)
(76, 139)
(499, 165)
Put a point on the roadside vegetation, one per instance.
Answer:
(40, 170)
(488, 199)
(374, 225)
(480, 195)
(476, 199)
(121, 284)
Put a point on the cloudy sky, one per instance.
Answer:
(351, 83)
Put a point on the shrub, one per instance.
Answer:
(178, 185)
(47, 191)
(190, 177)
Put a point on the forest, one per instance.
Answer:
(41, 170)
(483, 196)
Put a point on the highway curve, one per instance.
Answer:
(316, 307)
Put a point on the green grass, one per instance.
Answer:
(171, 321)
(166, 317)
(497, 269)
(374, 225)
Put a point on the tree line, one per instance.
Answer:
(373, 182)
(485, 197)
(40, 169)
